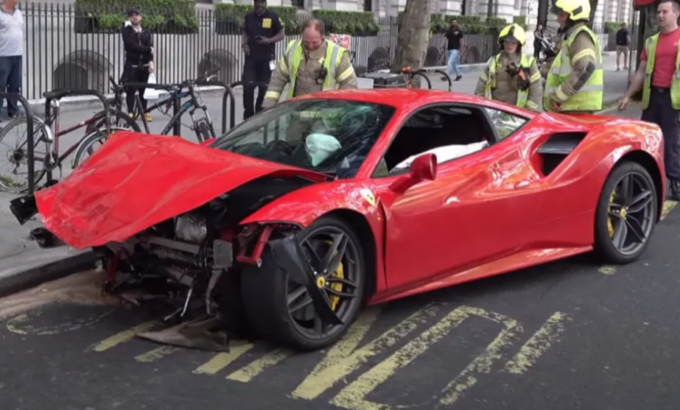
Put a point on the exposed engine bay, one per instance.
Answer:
(188, 266)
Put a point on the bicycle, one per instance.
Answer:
(46, 131)
(202, 127)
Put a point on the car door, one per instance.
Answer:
(479, 207)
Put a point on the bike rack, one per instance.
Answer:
(29, 137)
(448, 78)
(423, 73)
(58, 94)
(177, 131)
(232, 111)
(228, 94)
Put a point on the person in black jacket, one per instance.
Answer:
(139, 63)
(262, 29)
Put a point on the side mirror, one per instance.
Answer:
(422, 168)
(207, 142)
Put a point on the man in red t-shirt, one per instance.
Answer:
(660, 111)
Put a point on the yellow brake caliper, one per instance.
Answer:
(610, 225)
(340, 274)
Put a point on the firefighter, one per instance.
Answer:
(310, 65)
(511, 76)
(575, 80)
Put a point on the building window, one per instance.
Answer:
(298, 3)
(368, 5)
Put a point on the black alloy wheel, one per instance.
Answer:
(627, 213)
(281, 308)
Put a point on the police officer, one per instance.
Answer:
(138, 43)
(657, 75)
(510, 76)
(310, 65)
(262, 29)
(575, 80)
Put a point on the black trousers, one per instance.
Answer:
(255, 70)
(537, 49)
(135, 73)
(661, 112)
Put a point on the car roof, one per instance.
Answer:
(409, 98)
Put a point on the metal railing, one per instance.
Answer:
(66, 47)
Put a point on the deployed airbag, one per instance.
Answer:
(320, 146)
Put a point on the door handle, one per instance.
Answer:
(522, 184)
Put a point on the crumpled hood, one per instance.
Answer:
(136, 181)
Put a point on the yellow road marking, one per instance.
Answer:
(156, 354)
(20, 324)
(222, 360)
(336, 369)
(122, 337)
(249, 372)
(313, 384)
(354, 395)
(607, 269)
(668, 206)
(539, 343)
(482, 363)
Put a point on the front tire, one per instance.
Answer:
(281, 310)
(626, 214)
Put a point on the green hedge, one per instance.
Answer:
(161, 16)
(612, 27)
(521, 20)
(356, 23)
(439, 23)
(229, 18)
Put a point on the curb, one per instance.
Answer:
(30, 269)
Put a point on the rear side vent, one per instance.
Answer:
(557, 148)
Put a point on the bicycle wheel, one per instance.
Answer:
(204, 130)
(120, 121)
(14, 153)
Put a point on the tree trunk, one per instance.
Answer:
(414, 33)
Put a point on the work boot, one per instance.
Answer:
(674, 192)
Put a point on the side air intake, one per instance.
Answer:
(557, 148)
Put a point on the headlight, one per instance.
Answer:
(191, 228)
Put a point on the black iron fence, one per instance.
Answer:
(67, 47)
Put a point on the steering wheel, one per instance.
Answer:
(281, 145)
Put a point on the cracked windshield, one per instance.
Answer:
(329, 136)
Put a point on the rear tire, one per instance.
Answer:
(615, 217)
(266, 290)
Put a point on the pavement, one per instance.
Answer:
(17, 249)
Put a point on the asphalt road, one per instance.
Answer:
(566, 335)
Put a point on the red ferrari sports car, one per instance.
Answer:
(294, 219)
